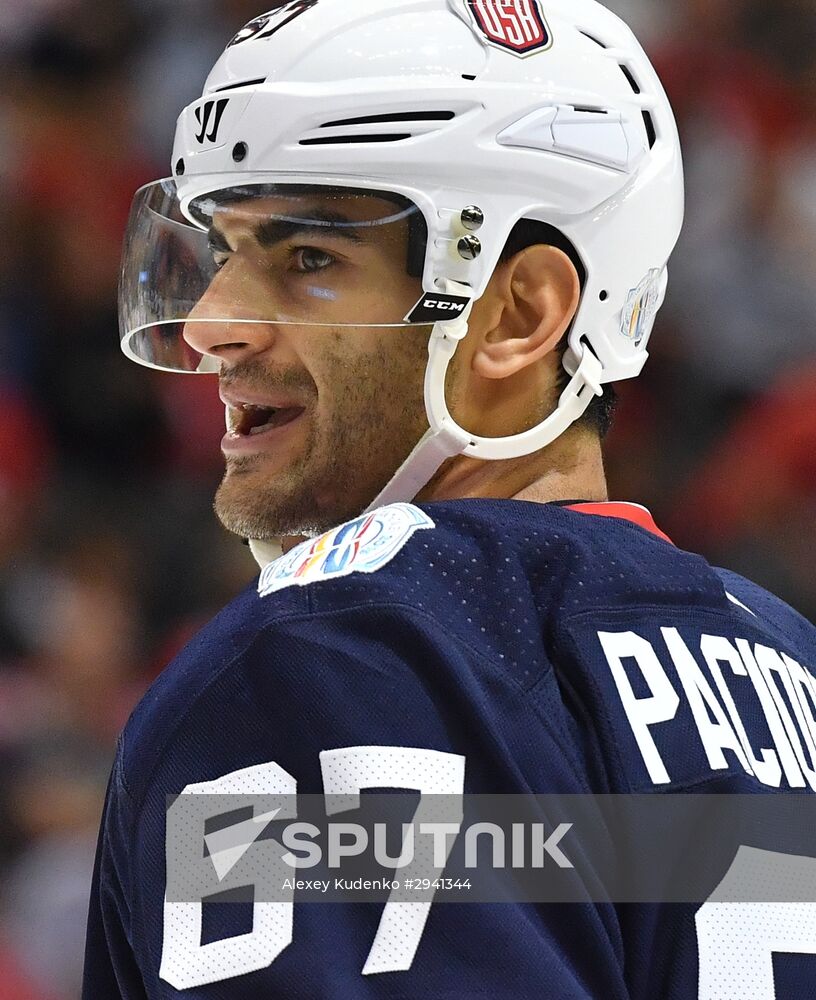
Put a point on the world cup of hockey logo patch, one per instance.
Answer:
(361, 546)
(517, 26)
(273, 20)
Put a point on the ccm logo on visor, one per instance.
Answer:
(517, 26)
(432, 308)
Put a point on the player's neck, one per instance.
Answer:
(569, 469)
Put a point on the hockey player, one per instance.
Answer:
(417, 240)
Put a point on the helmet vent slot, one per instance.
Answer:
(378, 127)
(406, 116)
(243, 83)
(337, 140)
(592, 38)
(651, 131)
(631, 78)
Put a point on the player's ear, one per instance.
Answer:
(527, 308)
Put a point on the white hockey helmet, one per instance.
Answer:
(461, 116)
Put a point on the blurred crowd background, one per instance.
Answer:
(110, 556)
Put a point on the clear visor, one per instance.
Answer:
(261, 254)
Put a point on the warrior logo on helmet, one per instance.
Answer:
(273, 20)
(517, 26)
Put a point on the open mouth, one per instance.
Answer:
(250, 421)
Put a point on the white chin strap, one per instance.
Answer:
(445, 438)
(265, 552)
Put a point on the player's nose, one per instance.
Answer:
(222, 326)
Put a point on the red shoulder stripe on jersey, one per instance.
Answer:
(624, 512)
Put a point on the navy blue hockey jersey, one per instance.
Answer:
(538, 649)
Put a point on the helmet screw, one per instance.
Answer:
(180, 167)
(239, 151)
(472, 218)
(470, 247)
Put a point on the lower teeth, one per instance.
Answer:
(270, 421)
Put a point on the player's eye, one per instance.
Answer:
(220, 251)
(308, 260)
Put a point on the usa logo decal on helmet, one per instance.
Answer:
(517, 26)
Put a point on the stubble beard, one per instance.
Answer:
(349, 454)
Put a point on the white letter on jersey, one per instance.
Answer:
(769, 662)
(803, 684)
(793, 775)
(716, 649)
(660, 706)
(716, 735)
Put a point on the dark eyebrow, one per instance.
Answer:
(320, 223)
(281, 227)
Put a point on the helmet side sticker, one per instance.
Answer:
(517, 26)
(273, 20)
(208, 116)
(435, 306)
(641, 308)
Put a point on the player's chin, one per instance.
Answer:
(261, 500)
(250, 513)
